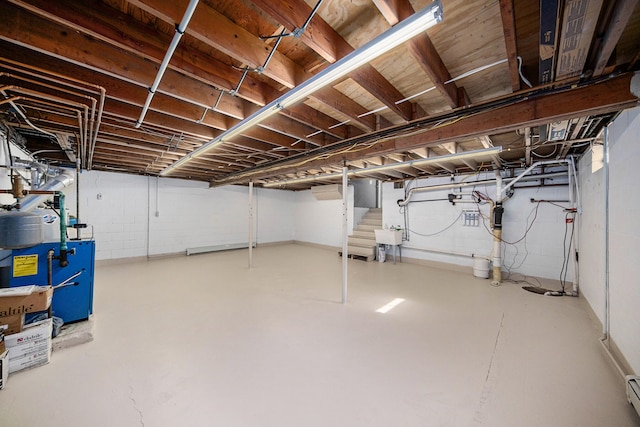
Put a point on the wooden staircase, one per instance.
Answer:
(362, 243)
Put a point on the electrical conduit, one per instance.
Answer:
(180, 29)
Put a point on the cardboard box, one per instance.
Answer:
(14, 323)
(24, 299)
(4, 368)
(31, 347)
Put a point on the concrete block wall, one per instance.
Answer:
(275, 215)
(115, 207)
(539, 254)
(624, 236)
(320, 221)
(138, 216)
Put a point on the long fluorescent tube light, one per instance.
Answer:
(395, 36)
(487, 153)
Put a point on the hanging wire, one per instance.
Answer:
(524, 79)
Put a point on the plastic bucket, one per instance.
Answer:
(481, 268)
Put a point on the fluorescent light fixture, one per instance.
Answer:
(486, 154)
(390, 306)
(395, 36)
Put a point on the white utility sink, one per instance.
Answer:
(388, 237)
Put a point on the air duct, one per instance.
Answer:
(57, 183)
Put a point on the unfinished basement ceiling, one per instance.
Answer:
(58, 59)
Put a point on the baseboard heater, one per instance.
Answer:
(217, 248)
(633, 391)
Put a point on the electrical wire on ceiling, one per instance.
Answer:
(553, 153)
(296, 33)
(410, 129)
(461, 76)
(524, 79)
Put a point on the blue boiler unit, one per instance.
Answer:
(73, 283)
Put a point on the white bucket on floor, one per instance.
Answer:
(481, 268)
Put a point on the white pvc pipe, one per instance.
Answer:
(438, 251)
(250, 223)
(578, 206)
(529, 169)
(180, 29)
(576, 225)
(605, 322)
(472, 184)
(345, 232)
(497, 239)
(604, 340)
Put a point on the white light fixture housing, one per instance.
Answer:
(487, 154)
(395, 36)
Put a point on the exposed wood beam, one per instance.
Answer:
(314, 118)
(453, 148)
(294, 129)
(619, 20)
(33, 32)
(159, 120)
(63, 142)
(486, 141)
(126, 92)
(216, 30)
(422, 48)
(603, 97)
(509, 30)
(119, 29)
(326, 41)
(270, 137)
(335, 100)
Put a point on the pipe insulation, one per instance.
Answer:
(180, 30)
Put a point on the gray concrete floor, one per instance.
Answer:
(203, 341)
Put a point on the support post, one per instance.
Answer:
(497, 231)
(250, 223)
(345, 230)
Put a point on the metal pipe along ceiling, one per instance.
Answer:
(474, 183)
(85, 153)
(180, 29)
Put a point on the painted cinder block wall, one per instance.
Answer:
(624, 235)
(135, 216)
(540, 254)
